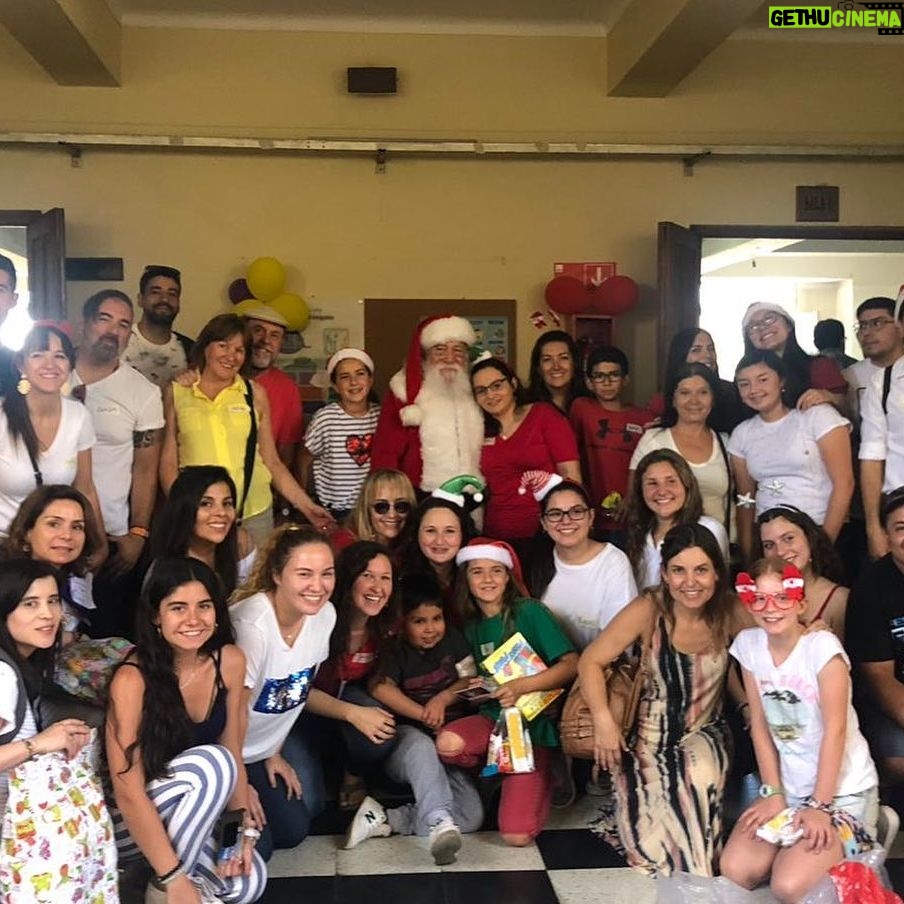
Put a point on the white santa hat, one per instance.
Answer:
(429, 332)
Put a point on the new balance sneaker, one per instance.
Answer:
(445, 841)
(368, 822)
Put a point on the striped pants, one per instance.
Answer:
(190, 800)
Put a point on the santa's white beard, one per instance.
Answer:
(451, 428)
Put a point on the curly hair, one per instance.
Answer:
(824, 559)
(35, 504)
(174, 527)
(166, 728)
(641, 520)
(351, 563)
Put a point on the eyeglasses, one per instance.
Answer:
(401, 506)
(779, 600)
(871, 326)
(495, 386)
(759, 325)
(575, 513)
(605, 377)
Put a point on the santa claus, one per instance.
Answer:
(430, 426)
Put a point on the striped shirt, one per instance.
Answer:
(341, 447)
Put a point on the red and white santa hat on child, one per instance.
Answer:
(495, 551)
(429, 332)
(538, 483)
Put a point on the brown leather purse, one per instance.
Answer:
(624, 679)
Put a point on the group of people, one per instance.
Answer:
(246, 672)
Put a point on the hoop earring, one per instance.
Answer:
(23, 387)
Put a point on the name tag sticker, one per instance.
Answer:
(634, 428)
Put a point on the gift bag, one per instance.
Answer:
(84, 668)
(510, 749)
(57, 838)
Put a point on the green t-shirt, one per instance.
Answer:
(542, 632)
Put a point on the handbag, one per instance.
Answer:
(624, 677)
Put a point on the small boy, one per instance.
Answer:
(607, 431)
(419, 681)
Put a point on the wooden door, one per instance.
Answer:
(678, 259)
(47, 265)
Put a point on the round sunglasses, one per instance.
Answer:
(382, 506)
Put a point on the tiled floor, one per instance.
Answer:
(568, 864)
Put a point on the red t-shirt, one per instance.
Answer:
(347, 667)
(284, 397)
(543, 440)
(607, 440)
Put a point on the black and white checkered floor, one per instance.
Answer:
(568, 864)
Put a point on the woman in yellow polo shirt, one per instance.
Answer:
(209, 423)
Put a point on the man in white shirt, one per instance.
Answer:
(155, 349)
(127, 411)
(881, 407)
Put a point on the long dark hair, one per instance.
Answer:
(166, 728)
(15, 407)
(684, 372)
(35, 504)
(537, 390)
(175, 525)
(641, 520)
(351, 563)
(679, 348)
(541, 568)
(716, 612)
(466, 609)
(490, 424)
(415, 560)
(16, 576)
(824, 559)
(795, 360)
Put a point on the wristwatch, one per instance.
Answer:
(770, 790)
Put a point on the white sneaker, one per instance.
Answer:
(368, 822)
(445, 841)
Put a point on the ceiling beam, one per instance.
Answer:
(656, 43)
(78, 42)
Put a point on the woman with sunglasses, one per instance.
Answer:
(584, 583)
(520, 437)
(386, 501)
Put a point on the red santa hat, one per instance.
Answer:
(429, 332)
(538, 483)
(495, 551)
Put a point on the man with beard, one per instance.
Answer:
(127, 412)
(430, 426)
(266, 329)
(155, 349)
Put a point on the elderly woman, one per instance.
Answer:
(222, 418)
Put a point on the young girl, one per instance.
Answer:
(809, 749)
(174, 742)
(340, 435)
(418, 679)
(494, 606)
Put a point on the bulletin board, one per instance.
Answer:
(390, 322)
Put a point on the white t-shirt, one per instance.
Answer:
(858, 377)
(585, 598)
(159, 363)
(652, 558)
(712, 474)
(790, 696)
(783, 458)
(279, 676)
(121, 405)
(9, 697)
(57, 465)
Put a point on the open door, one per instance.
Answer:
(678, 258)
(46, 239)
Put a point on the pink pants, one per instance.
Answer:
(525, 799)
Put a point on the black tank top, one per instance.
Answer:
(209, 729)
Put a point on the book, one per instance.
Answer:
(516, 658)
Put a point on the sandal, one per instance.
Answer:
(352, 792)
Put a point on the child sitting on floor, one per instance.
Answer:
(418, 680)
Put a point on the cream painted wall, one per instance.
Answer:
(437, 227)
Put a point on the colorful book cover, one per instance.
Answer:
(516, 659)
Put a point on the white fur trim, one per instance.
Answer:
(485, 551)
(455, 498)
(447, 329)
(397, 385)
(411, 416)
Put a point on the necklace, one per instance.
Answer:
(190, 677)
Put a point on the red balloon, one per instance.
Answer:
(239, 291)
(616, 295)
(566, 295)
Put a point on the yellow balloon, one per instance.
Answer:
(294, 308)
(266, 278)
(243, 307)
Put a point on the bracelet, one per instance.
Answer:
(138, 531)
(172, 875)
(30, 749)
(251, 832)
(813, 804)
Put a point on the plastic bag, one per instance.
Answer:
(830, 891)
(510, 749)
